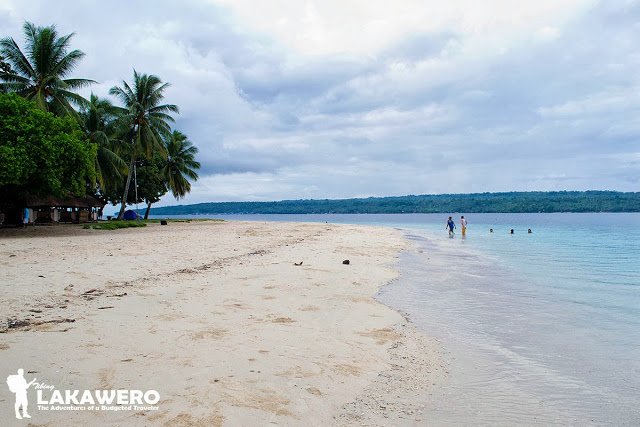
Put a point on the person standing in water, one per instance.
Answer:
(463, 226)
(450, 225)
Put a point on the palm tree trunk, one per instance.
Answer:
(126, 187)
(146, 214)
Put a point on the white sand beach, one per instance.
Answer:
(217, 318)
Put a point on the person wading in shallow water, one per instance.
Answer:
(450, 225)
(463, 226)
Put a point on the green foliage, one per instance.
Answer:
(145, 119)
(99, 118)
(38, 73)
(538, 201)
(114, 225)
(5, 67)
(180, 165)
(41, 153)
(151, 183)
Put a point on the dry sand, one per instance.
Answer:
(216, 317)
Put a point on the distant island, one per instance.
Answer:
(512, 202)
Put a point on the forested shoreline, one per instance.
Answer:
(538, 201)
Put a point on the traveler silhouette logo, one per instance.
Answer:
(18, 385)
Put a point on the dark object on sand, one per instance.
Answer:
(346, 262)
(297, 263)
(511, 232)
(163, 222)
(529, 231)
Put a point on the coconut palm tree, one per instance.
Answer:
(99, 118)
(146, 120)
(180, 165)
(39, 72)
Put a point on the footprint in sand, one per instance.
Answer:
(314, 391)
(211, 333)
(283, 320)
(382, 336)
(346, 369)
(106, 376)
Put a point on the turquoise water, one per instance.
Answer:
(539, 329)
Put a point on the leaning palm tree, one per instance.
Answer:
(181, 164)
(39, 72)
(146, 120)
(99, 118)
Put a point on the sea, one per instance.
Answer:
(539, 328)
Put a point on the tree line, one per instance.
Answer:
(54, 142)
(536, 201)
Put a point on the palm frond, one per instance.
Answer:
(67, 63)
(16, 58)
(73, 97)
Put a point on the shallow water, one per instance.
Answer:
(540, 328)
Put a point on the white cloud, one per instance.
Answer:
(298, 99)
(368, 26)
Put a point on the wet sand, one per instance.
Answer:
(218, 319)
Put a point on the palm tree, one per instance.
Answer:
(145, 119)
(39, 73)
(99, 118)
(180, 165)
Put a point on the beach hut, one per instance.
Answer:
(49, 209)
(64, 209)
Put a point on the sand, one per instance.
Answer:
(217, 318)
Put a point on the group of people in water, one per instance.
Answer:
(451, 225)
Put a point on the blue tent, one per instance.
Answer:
(130, 215)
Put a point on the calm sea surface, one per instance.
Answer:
(539, 329)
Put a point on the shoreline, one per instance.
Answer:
(510, 338)
(249, 336)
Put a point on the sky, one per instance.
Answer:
(295, 99)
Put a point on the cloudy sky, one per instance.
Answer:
(292, 99)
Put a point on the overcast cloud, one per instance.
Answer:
(296, 99)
